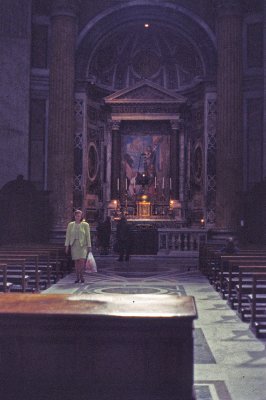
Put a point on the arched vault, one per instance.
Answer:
(115, 50)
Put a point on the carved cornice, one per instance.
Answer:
(145, 92)
(228, 7)
(135, 109)
(145, 98)
(65, 8)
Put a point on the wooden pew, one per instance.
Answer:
(15, 273)
(224, 269)
(52, 255)
(258, 305)
(232, 280)
(5, 286)
(244, 288)
(207, 258)
(58, 256)
(36, 265)
(30, 269)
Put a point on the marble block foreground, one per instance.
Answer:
(99, 347)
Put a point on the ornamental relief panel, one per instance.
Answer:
(144, 109)
(123, 59)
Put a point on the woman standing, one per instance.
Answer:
(79, 239)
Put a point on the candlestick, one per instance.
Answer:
(117, 183)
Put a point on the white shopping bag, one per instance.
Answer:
(90, 263)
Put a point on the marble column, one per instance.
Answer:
(61, 111)
(116, 161)
(174, 159)
(229, 115)
(181, 163)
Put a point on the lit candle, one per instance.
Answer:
(117, 183)
(163, 183)
(155, 182)
(170, 183)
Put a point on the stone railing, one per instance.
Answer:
(171, 241)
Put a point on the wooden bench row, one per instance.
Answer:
(239, 280)
(5, 285)
(25, 269)
(257, 300)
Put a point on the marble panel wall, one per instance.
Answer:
(254, 141)
(210, 158)
(15, 36)
(38, 140)
(253, 99)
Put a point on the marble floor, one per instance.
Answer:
(229, 361)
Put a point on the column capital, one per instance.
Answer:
(115, 125)
(228, 7)
(176, 124)
(65, 8)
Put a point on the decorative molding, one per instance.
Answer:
(145, 92)
(197, 164)
(77, 183)
(79, 112)
(146, 98)
(94, 161)
(211, 162)
(79, 108)
(172, 109)
(228, 7)
(78, 141)
(65, 8)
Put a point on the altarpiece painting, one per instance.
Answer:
(145, 164)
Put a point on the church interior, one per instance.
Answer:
(153, 111)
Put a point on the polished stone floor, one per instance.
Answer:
(229, 361)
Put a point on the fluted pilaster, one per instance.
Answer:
(174, 159)
(229, 114)
(61, 110)
(181, 163)
(116, 160)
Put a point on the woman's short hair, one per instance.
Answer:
(78, 212)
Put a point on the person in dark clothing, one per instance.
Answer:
(103, 235)
(230, 247)
(106, 233)
(123, 236)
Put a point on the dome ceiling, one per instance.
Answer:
(133, 53)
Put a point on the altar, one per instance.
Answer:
(146, 209)
(145, 217)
